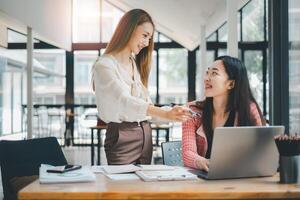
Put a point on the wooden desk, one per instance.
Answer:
(104, 188)
(98, 128)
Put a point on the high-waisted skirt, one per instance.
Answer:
(128, 143)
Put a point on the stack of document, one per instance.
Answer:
(178, 174)
(120, 169)
(147, 172)
(81, 175)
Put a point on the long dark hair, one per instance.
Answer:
(240, 97)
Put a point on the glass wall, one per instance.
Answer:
(152, 86)
(86, 21)
(163, 38)
(210, 57)
(110, 19)
(94, 21)
(253, 45)
(222, 33)
(48, 82)
(253, 62)
(172, 62)
(169, 60)
(253, 21)
(222, 52)
(11, 90)
(83, 62)
(6, 102)
(294, 66)
(50, 88)
(173, 76)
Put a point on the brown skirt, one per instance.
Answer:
(128, 143)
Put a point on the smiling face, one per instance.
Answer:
(141, 37)
(216, 80)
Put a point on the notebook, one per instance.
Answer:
(81, 175)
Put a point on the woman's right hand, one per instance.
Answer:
(202, 163)
(178, 113)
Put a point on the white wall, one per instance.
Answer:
(49, 19)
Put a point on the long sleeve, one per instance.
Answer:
(189, 144)
(113, 98)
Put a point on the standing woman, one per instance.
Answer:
(120, 79)
(229, 102)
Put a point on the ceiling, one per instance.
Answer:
(50, 20)
(181, 19)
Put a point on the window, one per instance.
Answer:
(17, 102)
(11, 87)
(6, 112)
(173, 75)
(102, 51)
(53, 81)
(222, 52)
(86, 21)
(155, 36)
(152, 87)
(48, 80)
(294, 63)
(110, 19)
(210, 57)
(223, 34)
(16, 37)
(212, 37)
(253, 21)
(83, 62)
(253, 63)
(163, 38)
(49, 100)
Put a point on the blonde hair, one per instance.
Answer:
(122, 35)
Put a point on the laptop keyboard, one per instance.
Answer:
(199, 173)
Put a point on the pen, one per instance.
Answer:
(194, 114)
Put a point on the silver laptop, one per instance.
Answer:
(239, 152)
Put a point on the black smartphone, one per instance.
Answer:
(63, 169)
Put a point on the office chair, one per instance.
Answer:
(171, 153)
(23, 158)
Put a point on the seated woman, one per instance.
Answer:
(228, 102)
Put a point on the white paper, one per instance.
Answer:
(174, 175)
(118, 177)
(156, 167)
(119, 169)
(81, 175)
(97, 169)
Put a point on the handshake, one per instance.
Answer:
(179, 113)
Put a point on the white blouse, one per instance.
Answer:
(118, 97)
